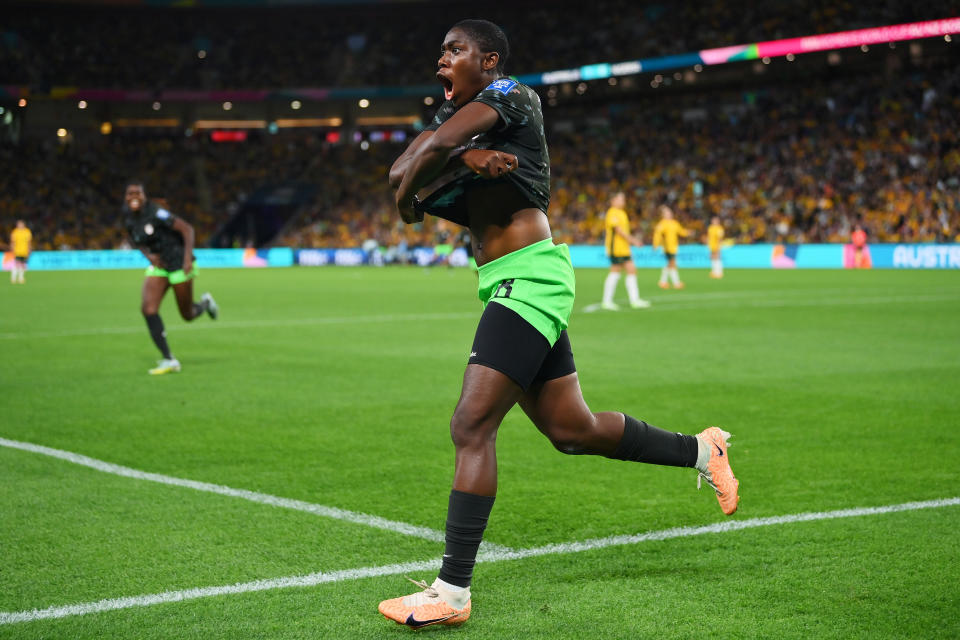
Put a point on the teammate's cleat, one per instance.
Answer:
(166, 366)
(679, 285)
(663, 285)
(715, 276)
(610, 306)
(719, 475)
(640, 304)
(210, 305)
(433, 605)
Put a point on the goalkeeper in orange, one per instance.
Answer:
(667, 235)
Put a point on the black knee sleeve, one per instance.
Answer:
(643, 442)
(155, 325)
(466, 519)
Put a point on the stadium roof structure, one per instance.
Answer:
(707, 57)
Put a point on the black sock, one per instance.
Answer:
(466, 519)
(155, 324)
(643, 442)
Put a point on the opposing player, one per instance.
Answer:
(21, 242)
(521, 352)
(618, 242)
(667, 234)
(167, 242)
(714, 238)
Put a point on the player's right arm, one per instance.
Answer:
(400, 165)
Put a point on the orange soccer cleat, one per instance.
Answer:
(679, 285)
(719, 475)
(663, 285)
(433, 605)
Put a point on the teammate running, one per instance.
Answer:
(521, 352)
(618, 242)
(21, 242)
(167, 242)
(665, 235)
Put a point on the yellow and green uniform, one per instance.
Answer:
(20, 240)
(616, 246)
(714, 237)
(667, 234)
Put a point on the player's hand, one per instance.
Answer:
(187, 265)
(488, 163)
(154, 259)
(407, 213)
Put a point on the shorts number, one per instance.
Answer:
(506, 287)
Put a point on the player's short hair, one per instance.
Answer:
(489, 37)
(134, 182)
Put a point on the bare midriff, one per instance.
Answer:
(502, 221)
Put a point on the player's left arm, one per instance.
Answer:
(635, 241)
(472, 119)
(185, 229)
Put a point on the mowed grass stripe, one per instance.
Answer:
(253, 496)
(489, 556)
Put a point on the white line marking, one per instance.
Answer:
(247, 324)
(253, 496)
(494, 556)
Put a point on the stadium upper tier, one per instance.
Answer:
(788, 163)
(385, 44)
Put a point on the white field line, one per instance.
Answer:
(247, 324)
(252, 496)
(660, 303)
(490, 556)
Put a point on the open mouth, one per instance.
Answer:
(447, 86)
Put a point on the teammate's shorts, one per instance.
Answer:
(669, 256)
(21, 259)
(173, 277)
(528, 297)
(509, 344)
(619, 259)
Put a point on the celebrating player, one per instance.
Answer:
(714, 238)
(21, 241)
(618, 242)
(666, 234)
(521, 352)
(167, 242)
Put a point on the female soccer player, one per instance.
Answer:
(666, 234)
(167, 242)
(618, 242)
(521, 353)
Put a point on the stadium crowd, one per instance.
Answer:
(777, 164)
(152, 48)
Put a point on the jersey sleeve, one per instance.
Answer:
(508, 99)
(443, 114)
(163, 217)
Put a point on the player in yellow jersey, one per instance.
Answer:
(618, 242)
(714, 238)
(21, 242)
(667, 235)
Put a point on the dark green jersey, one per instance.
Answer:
(151, 228)
(519, 131)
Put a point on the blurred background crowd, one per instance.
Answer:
(777, 161)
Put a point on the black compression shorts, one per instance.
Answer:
(509, 344)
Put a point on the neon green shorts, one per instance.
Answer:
(537, 282)
(174, 277)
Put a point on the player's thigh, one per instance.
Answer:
(152, 293)
(485, 398)
(556, 407)
(630, 267)
(183, 291)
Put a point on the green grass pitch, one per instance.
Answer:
(335, 386)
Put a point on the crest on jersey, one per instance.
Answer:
(503, 85)
(148, 228)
